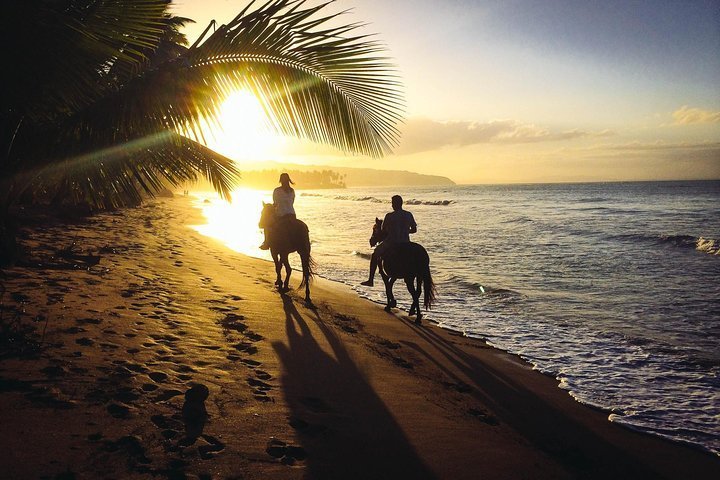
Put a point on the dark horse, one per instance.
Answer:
(409, 261)
(285, 237)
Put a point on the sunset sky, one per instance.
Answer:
(533, 91)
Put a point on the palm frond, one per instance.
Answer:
(59, 51)
(120, 175)
(324, 85)
(313, 83)
(85, 134)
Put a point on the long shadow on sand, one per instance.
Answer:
(344, 426)
(574, 445)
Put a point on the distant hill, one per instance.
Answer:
(354, 177)
(369, 177)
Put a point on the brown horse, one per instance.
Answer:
(409, 261)
(286, 236)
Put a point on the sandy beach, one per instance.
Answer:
(150, 351)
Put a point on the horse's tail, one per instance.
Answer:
(308, 266)
(430, 291)
(308, 263)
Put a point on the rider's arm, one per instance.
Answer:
(385, 224)
(413, 225)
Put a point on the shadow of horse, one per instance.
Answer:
(286, 236)
(340, 419)
(411, 262)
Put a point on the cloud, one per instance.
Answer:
(419, 135)
(694, 116)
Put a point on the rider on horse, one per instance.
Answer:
(283, 199)
(397, 227)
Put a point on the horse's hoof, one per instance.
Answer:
(388, 308)
(309, 304)
(284, 289)
(392, 304)
(412, 311)
(418, 321)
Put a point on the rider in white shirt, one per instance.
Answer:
(283, 199)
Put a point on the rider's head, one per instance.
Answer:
(397, 202)
(285, 180)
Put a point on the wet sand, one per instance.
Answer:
(150, 351)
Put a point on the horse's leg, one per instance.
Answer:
(393, 302)
(389, 282)
(278, 267)
(410, 282)
(418, 291)
(305, 259)
(288, 271)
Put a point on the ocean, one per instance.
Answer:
(612, 288)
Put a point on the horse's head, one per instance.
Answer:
(267, 215)
(377, 233)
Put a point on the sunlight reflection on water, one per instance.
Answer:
(234, 224)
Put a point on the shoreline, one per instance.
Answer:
(535, 365)
(344, 390)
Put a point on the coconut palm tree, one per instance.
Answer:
(100, 102)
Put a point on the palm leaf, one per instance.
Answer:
(119, 176)
(315, 84)
(314, 81)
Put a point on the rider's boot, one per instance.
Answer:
(265, 245)
(373, 267)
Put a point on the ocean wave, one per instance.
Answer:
(364, 255)
(372, 199)
(518, 220)
(353, 198)
(592, 200)
(707, 245)
(442, 203)
(479, 288)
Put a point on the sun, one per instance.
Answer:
(243, 131)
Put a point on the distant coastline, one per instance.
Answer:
(349, 176)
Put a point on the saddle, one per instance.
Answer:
(286, 230)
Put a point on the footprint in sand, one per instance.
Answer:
(483, 416)
(74, 330)
(86, 321)
(287, 454)
(259, 385)
(250, 363)
(306, 428)
(167, 394)
(252, 336)
(212, 446)
(246, 347)
(118, 411)
(158, 377)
